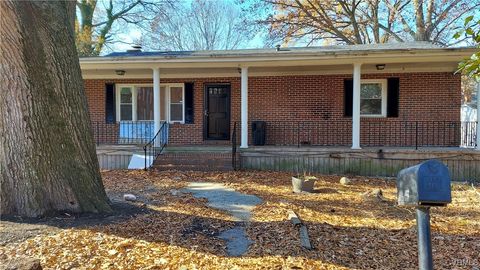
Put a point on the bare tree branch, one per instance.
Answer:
(365, 21)
(95, 23)
(202, 25)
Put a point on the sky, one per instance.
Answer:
(130, 33)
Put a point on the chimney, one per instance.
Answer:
(135, 48)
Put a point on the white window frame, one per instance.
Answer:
(133, 87)
(118, 102)
(169, 102)
(383, 83)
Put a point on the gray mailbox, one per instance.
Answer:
(427, 184)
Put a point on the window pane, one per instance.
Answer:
(163, 103)
(144, 103)
(176, 95)
(371, 106)
(126, 112)
(176, 112)
(126, 95)
(371, 90)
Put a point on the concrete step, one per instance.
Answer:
(198, 149)
(193, 168)
(194, 161)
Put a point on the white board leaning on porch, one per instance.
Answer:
(138, 162)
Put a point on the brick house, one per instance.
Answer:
(393, 95)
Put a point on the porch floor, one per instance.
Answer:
(119, 149)
(371, 149)
(198, 148)
(137, 149)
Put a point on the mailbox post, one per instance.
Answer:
(424, 185)
(425, 259)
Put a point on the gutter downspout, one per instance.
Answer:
(478, 115)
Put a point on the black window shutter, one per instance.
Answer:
(393, 94)
(110, 103)
(348, 97)
(188, 103)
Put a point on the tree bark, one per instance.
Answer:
(47, 154)
(420, 33)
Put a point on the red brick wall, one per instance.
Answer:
(282, 100)
(179, 133)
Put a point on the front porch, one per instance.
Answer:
(302, 146)
(349, 96)
(329, 101)
(375, 132)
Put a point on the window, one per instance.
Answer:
(176, 104)
(373, 98)
(135, 103)
(126, 104)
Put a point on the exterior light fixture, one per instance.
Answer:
(380, 66)
(120, 72)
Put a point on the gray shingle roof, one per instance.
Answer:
(287, 50)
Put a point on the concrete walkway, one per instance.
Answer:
(237, 204)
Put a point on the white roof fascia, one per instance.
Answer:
(291, 59)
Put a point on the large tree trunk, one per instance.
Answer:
(420, 31)
(47, 154)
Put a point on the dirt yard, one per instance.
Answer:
(168, 229)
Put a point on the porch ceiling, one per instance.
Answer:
(205, 72)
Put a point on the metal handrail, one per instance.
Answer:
(234, 146)
(122, 132)
(156, 145)
(373, 132)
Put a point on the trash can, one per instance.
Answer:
(258, 132)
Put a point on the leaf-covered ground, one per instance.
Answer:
(172, 230)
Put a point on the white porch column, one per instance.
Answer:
(356, 106)
(478, 115)
(244, 108)
(156, 100)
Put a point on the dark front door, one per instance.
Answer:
(217, 112)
